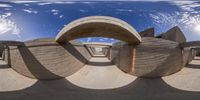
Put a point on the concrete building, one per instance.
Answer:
(136, 55)
(144, 56)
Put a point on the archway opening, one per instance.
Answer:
(100, 71)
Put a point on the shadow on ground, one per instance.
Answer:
(140, 89)
(197, 58)
(193, 66)
(105, 64)
(4, 66)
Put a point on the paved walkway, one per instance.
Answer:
(183, 85)
(188, 78)
(10, 80)
(100, 73)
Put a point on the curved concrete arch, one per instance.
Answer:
(99, 26)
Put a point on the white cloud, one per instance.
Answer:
(189, 17)
(56, 2)
(165, 21)
(101, 40)
(64, 2)
(26, 4)
(61, 16)
(81, 10)
(184, 20)
(5, 5)
(24, 1)
(89, 39)
(30, 11)
(44, 3)
(75, 1)
(125, 10)
(7, 9)
(7, 26)
(7, 14)
(55, 12)
(186, 5)
(86, 2)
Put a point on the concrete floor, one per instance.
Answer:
(184, 85)
(102, 74)
(187, 79)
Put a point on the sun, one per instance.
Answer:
(3, 28)
(197, 28)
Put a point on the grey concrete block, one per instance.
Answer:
(147, 33)
(153, 57)
(46, 59)
(174, 34)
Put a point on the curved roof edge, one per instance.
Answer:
(128, 29)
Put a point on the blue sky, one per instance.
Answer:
(26, 20)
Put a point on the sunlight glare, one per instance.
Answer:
(197, 28)
(4, 28)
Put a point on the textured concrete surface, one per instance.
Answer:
(153, 57)
(198, 52)
(102, 74)
(174, 34)
(47, 59)
(10, 80)
(2, 63)
(147, 33)
(157, 57)
(99, 26)
(180, 86)
(121, 56)
(1, 51)
(10, 43)
(188, 78)
(194, 44)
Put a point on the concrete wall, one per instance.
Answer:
(1, 51)
(46, 59)
(174, 34)
(153, 57)
(192, 44)
(147, 33)
(121, 55)
(198, 52)
(188, 55)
